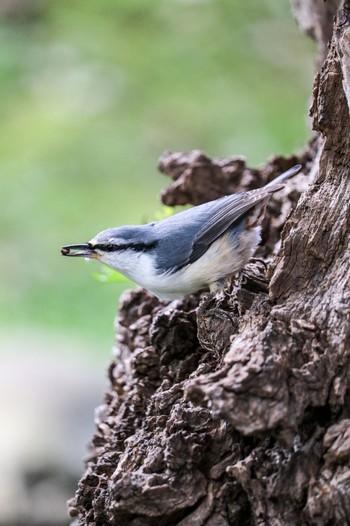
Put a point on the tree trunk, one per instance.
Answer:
(237, 412)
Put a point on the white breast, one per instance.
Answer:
(222, 259)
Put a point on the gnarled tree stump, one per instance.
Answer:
(237, 412)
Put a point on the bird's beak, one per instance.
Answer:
(84, 250)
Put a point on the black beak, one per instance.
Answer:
(84, 250)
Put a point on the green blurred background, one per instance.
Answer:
(91, 94)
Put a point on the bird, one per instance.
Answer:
(193, 249)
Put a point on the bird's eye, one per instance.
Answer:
(105, 247)
(109, 247)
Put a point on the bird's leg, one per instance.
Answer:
(214, 329)
(217, 289)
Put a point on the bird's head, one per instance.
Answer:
(119, 248)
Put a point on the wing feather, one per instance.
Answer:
(230, 212)
(207, 222)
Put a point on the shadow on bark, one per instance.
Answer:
(237, 412)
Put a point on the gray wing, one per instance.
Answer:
(230, 213)
(187, 236)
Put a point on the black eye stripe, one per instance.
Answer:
(139, 247)
(106, 247)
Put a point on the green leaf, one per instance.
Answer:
(107, 275)
(164, 212)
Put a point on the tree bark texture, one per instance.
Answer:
(234, 409)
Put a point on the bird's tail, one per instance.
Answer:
(285, 175)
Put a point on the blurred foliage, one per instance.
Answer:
(92, 93)
(108, 275)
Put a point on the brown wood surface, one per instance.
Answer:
(237, 412)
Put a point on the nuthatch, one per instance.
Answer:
(190, 250)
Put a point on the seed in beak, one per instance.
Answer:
(84, 250)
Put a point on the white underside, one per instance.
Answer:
(222, 259)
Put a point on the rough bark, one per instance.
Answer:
(236, 412)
